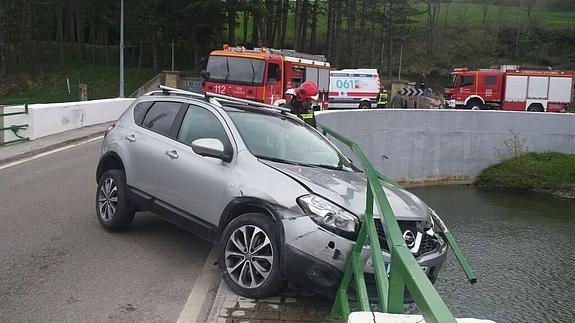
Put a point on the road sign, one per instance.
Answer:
(410, 91)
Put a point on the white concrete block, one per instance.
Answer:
(52, 118)
(376, 317)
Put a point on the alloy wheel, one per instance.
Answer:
(108, 199)
(249, 256)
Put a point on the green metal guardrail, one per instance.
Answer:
(15, 128)
(404, 270)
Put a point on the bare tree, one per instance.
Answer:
(312, 40)
(529, 6)
(433, 8)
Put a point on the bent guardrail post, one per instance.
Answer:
(405, 271)
(456, 250)
(15, 128)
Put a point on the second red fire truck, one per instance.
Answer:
(511, 88)
(264, 74)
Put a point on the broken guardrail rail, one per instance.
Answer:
(14, 128)
(405, 272)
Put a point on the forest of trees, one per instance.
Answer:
(351, 33)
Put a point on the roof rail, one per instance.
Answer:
(220, 98)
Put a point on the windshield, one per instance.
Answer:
(236, 70)
(284, 140)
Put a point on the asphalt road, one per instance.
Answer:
(58, 264)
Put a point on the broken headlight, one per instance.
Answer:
(328, 214)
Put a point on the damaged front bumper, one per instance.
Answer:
(315, 258)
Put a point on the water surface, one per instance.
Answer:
(521, 246)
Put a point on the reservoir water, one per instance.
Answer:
(521, 246)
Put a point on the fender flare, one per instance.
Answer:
(231, 212)
(471, 97)
(107, 156)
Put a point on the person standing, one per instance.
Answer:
(302, 100)
(382, 98)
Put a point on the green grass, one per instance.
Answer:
(468, 15)
(550, 172)
(103, 82)
(471, 15)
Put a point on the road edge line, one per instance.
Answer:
(55, 146)
(202, 297)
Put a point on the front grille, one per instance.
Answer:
(428, 243)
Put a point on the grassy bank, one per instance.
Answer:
(550, 172)
(455, 14)
(51, 84)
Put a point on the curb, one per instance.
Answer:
(217, 304)
(41, 150)
(291, 305)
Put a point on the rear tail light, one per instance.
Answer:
(109, 129)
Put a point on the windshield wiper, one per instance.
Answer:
(291, 162)
(279, 160)
(253, 72)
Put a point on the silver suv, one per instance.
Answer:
(280, 200)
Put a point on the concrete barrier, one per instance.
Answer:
(52, 118)
(447, 146)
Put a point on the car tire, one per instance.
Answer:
(114, 210)
(365, 105)
(253, 272)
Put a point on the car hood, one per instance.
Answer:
(349, 189)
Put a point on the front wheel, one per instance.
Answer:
(112, 206)
(474, 105)
(249, 256)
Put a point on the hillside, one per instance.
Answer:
(50, 85)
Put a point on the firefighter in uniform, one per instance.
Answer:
(302, 100)
(382, 98)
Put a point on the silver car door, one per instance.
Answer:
(193, 183)
(145, 145)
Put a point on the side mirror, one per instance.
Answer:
(205, 75)
(208, 147)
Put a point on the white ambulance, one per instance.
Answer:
(353, 88)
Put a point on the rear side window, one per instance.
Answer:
(200, 123)
(161, 116)
(490, 80)
(140, 111)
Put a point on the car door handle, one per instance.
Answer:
(131, 138)
(172, 154)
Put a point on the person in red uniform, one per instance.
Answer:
(301, 101)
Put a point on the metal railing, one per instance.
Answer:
(14, 128)
(404, 272)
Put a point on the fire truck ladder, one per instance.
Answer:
(405, 272)
(294, 54)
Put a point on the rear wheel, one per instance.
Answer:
(365, 105)
(249, 256)
(112, 206)
(535, 107)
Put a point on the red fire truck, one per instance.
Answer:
(511, 88)
(264, 74)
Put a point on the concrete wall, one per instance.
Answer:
(447, 145)
(48, 119)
